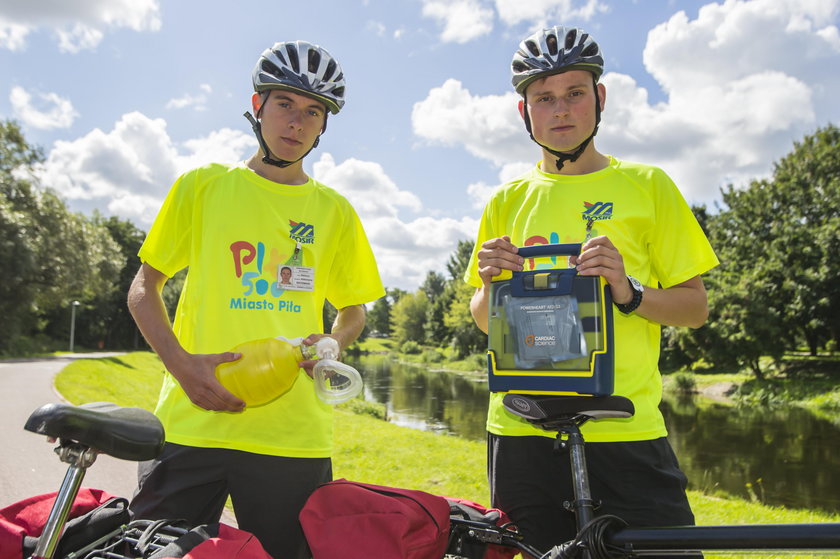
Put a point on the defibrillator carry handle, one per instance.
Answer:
(541, 283)
(556, 249)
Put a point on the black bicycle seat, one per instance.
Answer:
(542, 410)
(121, 432)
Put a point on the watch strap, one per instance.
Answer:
(634, 303)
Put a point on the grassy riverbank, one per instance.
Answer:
(371, 450)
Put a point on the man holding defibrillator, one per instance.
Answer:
(639, 234)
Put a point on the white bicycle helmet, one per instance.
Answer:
(554, 50)
(303, 68)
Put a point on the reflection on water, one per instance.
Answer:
(415, 397)
(787, 455)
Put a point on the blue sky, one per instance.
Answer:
(124, 95)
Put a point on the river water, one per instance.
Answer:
(779, 456)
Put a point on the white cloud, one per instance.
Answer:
(376, 27)
(488, 127)
(743, 80)
(78, 25)
(405, 250)
(12, 35)
(462, 20)
(547, 12)
(196, 102)
(47, 112)
(128, 171)
(365, 184)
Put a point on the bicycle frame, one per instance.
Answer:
(565, 415)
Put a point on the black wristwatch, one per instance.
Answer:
(638, 290)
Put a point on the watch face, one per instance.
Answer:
(636, 283)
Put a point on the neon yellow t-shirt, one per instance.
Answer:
(644, 215)
(233, 229)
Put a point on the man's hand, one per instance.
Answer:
(599, 257)
(496, 255)
(196, 373)
(308, 341)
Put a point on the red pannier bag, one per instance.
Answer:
(470, 510)
(212, 541)
(354, 520)
(26, 519)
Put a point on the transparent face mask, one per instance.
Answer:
(335, 382)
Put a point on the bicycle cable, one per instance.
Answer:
(592, 538)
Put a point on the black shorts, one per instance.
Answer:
(638, 481)
(267, 492)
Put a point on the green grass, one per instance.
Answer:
(132, 379)
(370, 450)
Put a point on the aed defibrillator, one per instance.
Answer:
(550, 330)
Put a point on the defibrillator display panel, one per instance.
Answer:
(550, 329)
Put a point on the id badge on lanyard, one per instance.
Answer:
(293, 275)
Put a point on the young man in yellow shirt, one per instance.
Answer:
(237, 227)
(644, 240)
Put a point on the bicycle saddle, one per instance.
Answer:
(542, 410)
(121, 432)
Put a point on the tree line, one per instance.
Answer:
(776, 290)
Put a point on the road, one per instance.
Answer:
(28, 465)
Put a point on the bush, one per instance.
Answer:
(684, 382)
(363, 407)
(410, 347)
(432, 356)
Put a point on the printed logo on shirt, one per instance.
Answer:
(302, 232)
(256, 268)
(597, 211)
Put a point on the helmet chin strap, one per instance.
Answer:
(564, 156)
(267, 158)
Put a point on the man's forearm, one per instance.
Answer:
(348, 324)
(478, 307)
(681, 305)
(146, 306)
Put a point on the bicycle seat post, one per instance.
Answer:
(565, 415)
(80, 458)
(583, 507)
(83, 433)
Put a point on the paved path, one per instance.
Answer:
(28, 465)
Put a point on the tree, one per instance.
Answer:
(467, 338)
(435, 288)
(459, 260)
(53, 256)
(777, 241)
(379, 316)
(408, 317)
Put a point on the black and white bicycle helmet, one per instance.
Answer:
(552, 51)
(303, 68)
(300, 67)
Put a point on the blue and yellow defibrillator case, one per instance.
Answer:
(551, 330)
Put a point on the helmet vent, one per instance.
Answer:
(591, 50)
(293, 58)
(331, 65)
(314, 61)
(270, 68)
(338, 92)
(570, 38)
(532, 47)
(551, 41)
